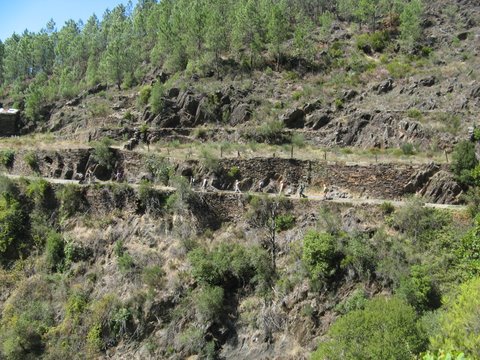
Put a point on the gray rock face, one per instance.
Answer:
(428, 81)
(384, 87)
(442, 188)
(318, 120)
(240, 114)
(294, 119)
(420, 178)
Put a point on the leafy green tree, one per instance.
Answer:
(209, 303)
(248, 30)
(14, 228)
(459, 323)
(93, 41)
(2, 55)
(369, 11)
(302, 37)
(118, 58)
(468, 251)
(410, 22)
(318, 253)
(385, 329)
(464, 160)
(418, 289)
(55, 251)
(277, 29)
(216, 33)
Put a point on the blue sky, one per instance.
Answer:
(18, 15)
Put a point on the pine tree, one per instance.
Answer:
(410, 23)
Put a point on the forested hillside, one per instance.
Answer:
(61, 60)
(249, 179)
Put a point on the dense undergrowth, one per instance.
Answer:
(415, 261)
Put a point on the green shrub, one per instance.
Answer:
(356, 301)
(408, 149)
(99, 109)
(37, 190)
(156, 97)
(414, 113)
(129, 116)
(464, 161)
(151, 200)
(31, 160)
(418, 289)
(71, 199)
(399, 69)
(476, 134)
(160, 168)
(459, 322)
(75, 253)
(76, 304)
(387, 207)
(55, 251)
(384, 329)
(284, 222)
(209, 160)
(124, 259)
(23, 329)
(153, 276)
(318, 251)
(230, 265)
(377, 41)
(297, 95)
(144, 95)
(14, 229)
(468, 251)
(7, 157)
(94, 340)
(209, 303)
(234, 172)
(192, 340)
(102, 153)
(360, 256)
(419, 222)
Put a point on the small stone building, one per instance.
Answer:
(8, 122)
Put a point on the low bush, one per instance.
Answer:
(464, 161)
(384, 329)
(103, 154)
(71, 199)
(284, 222)
(408, 149)
(459, 321)
(209, 303)
(153, 276)
(231, 265)
(376, 41)
(14, 229)
(144, 95)
(318, 251)
(55, 251)
(31, 160)
(7, 157)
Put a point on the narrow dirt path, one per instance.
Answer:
(310, 197)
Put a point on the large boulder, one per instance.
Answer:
(442, 188)
(384, 87)
(240, 114)
(428, 81)
(294, 119)
(420, 178)
(318, 120)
